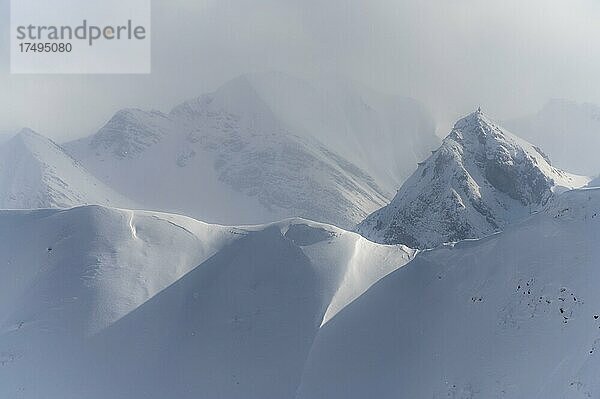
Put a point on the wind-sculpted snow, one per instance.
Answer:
(480, 180)
(514, 315)
(97, 302)
(37, 173)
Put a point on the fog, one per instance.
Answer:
(508, 56)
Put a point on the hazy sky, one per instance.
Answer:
(510, 56)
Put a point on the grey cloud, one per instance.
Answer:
(508, 56)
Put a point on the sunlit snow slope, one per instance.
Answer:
(481, 179)
(37, 173)
(103, 303)
(515, 315)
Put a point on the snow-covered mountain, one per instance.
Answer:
(97, 302)
(567, 130)
(481, 179)
(383, 135)
(512, 316)
(261, 148)
(37, 173)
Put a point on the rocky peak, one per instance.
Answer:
(480, 179)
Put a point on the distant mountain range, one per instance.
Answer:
(261, 148)
(477, 280)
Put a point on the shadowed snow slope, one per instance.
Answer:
(514, 315)
(262, 148)
(481, 179)
(37, 173)
(97, 302)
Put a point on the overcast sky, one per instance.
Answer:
(508, 56)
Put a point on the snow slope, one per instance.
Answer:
(37, 173)
(262, 148)
(481, 179)
(568, 131)
(514, 315)
(97, 302)
(383, 135)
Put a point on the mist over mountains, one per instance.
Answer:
(261, 148)
(281, 239)
(568, 131)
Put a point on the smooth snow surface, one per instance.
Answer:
(481, 179)
(97, 302)
(104, 303)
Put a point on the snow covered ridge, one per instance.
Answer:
(130, 131)
(481, 179)
(36, 173)
(515, 315)
(261, 148)
(98, 302)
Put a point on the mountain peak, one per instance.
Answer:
(35, 172)
(32, 141)
(480, 179)
(27, 134)
(476, 123)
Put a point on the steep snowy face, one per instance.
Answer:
(37, 173)
(98, 302)
(478, 181)
(568, 131)
(130, 132)
(383, 135)
(514, 316)
(230, 157)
